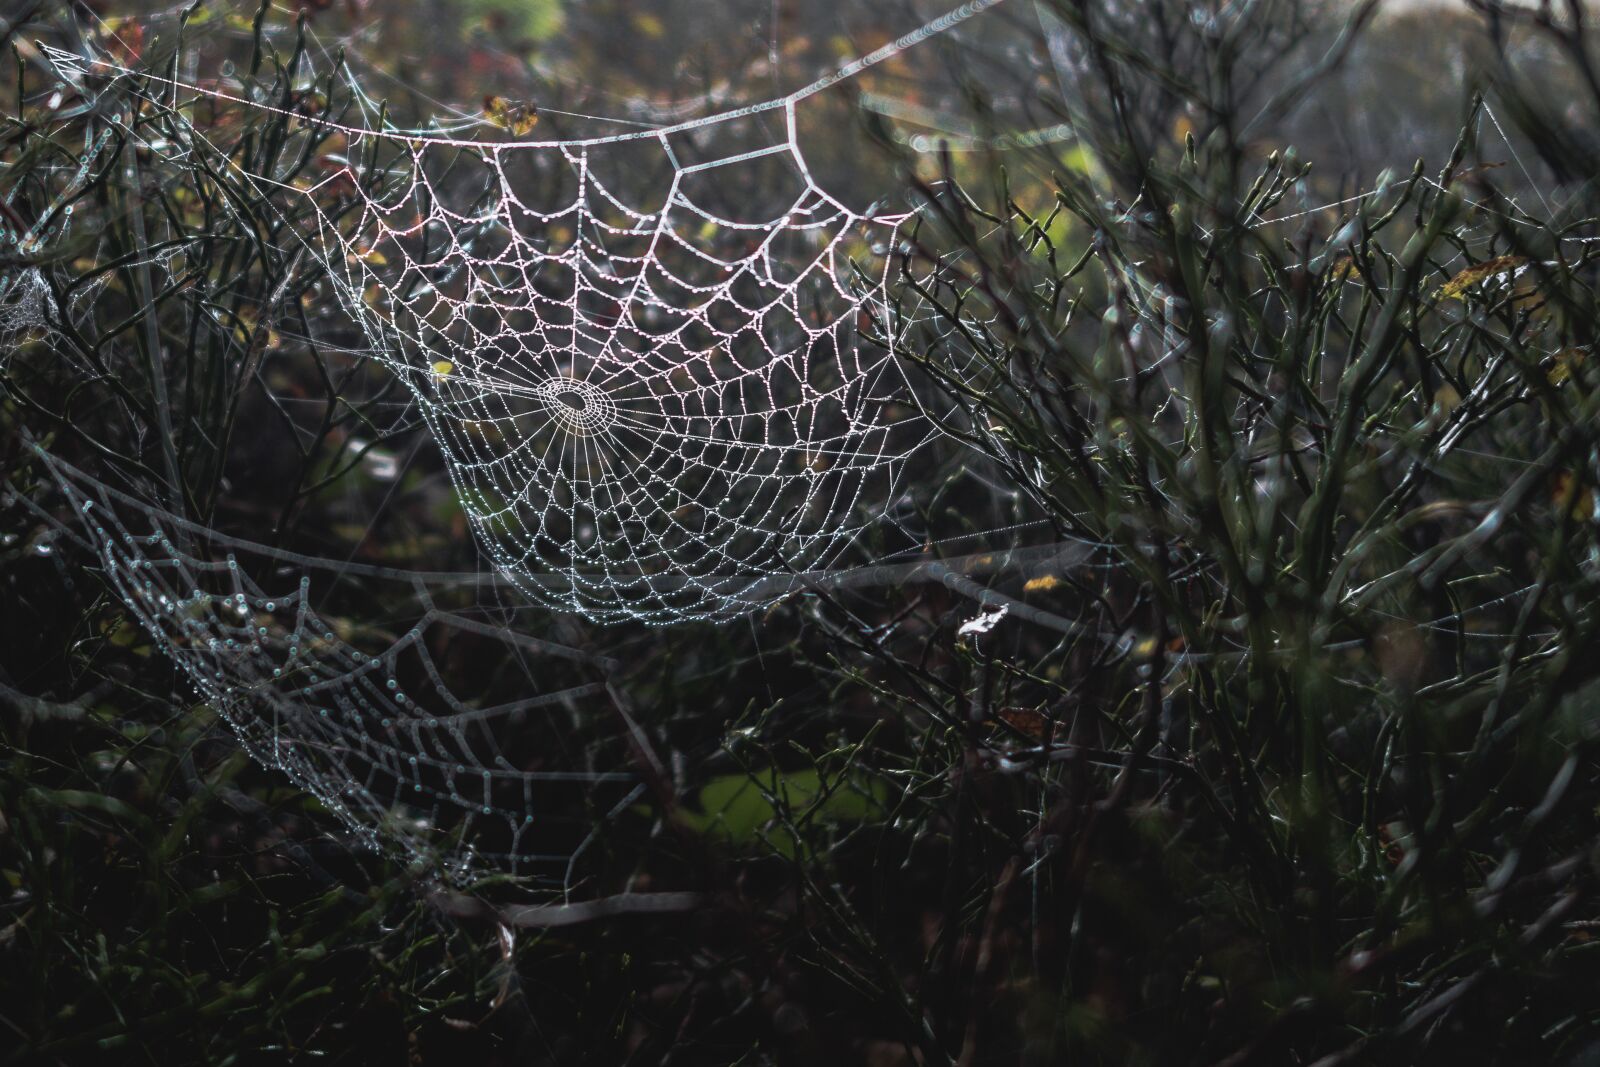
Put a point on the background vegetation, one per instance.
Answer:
(1283, 752)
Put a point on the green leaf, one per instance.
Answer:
(741, 809)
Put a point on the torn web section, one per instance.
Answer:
(447, 737)
(649, 399)
(27, 307)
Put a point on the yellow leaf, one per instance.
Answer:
(649, 25)
(124, 634)
(1562, 364)
(1575, 496)
(518, 116)
(1042, 584)
(1478, 272)
(442, 367)
(244, 324)
(1344, 269)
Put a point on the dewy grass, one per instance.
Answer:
(1267, 737)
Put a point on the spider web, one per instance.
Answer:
(419, 738)
(648, 411)
(414, 706)
(626, 397)
(26, 307)
(27, 304)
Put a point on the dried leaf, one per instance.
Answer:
(518, 116)
(1573, 495)
(1042, 584)
(1344, 269)
(123, 40)
(244, 324)
(1026, 720)
(1479, 272)
(1563, 363)
(1401, 650)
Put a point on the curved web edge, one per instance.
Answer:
(447, 739)
(669, 407)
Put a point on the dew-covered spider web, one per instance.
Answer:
(417, 707)
(650, 410)
(445, 731)
(26, 306)
(682, 407)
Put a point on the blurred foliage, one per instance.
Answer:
(1284, 753)
(741, 807)
(530, 21)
